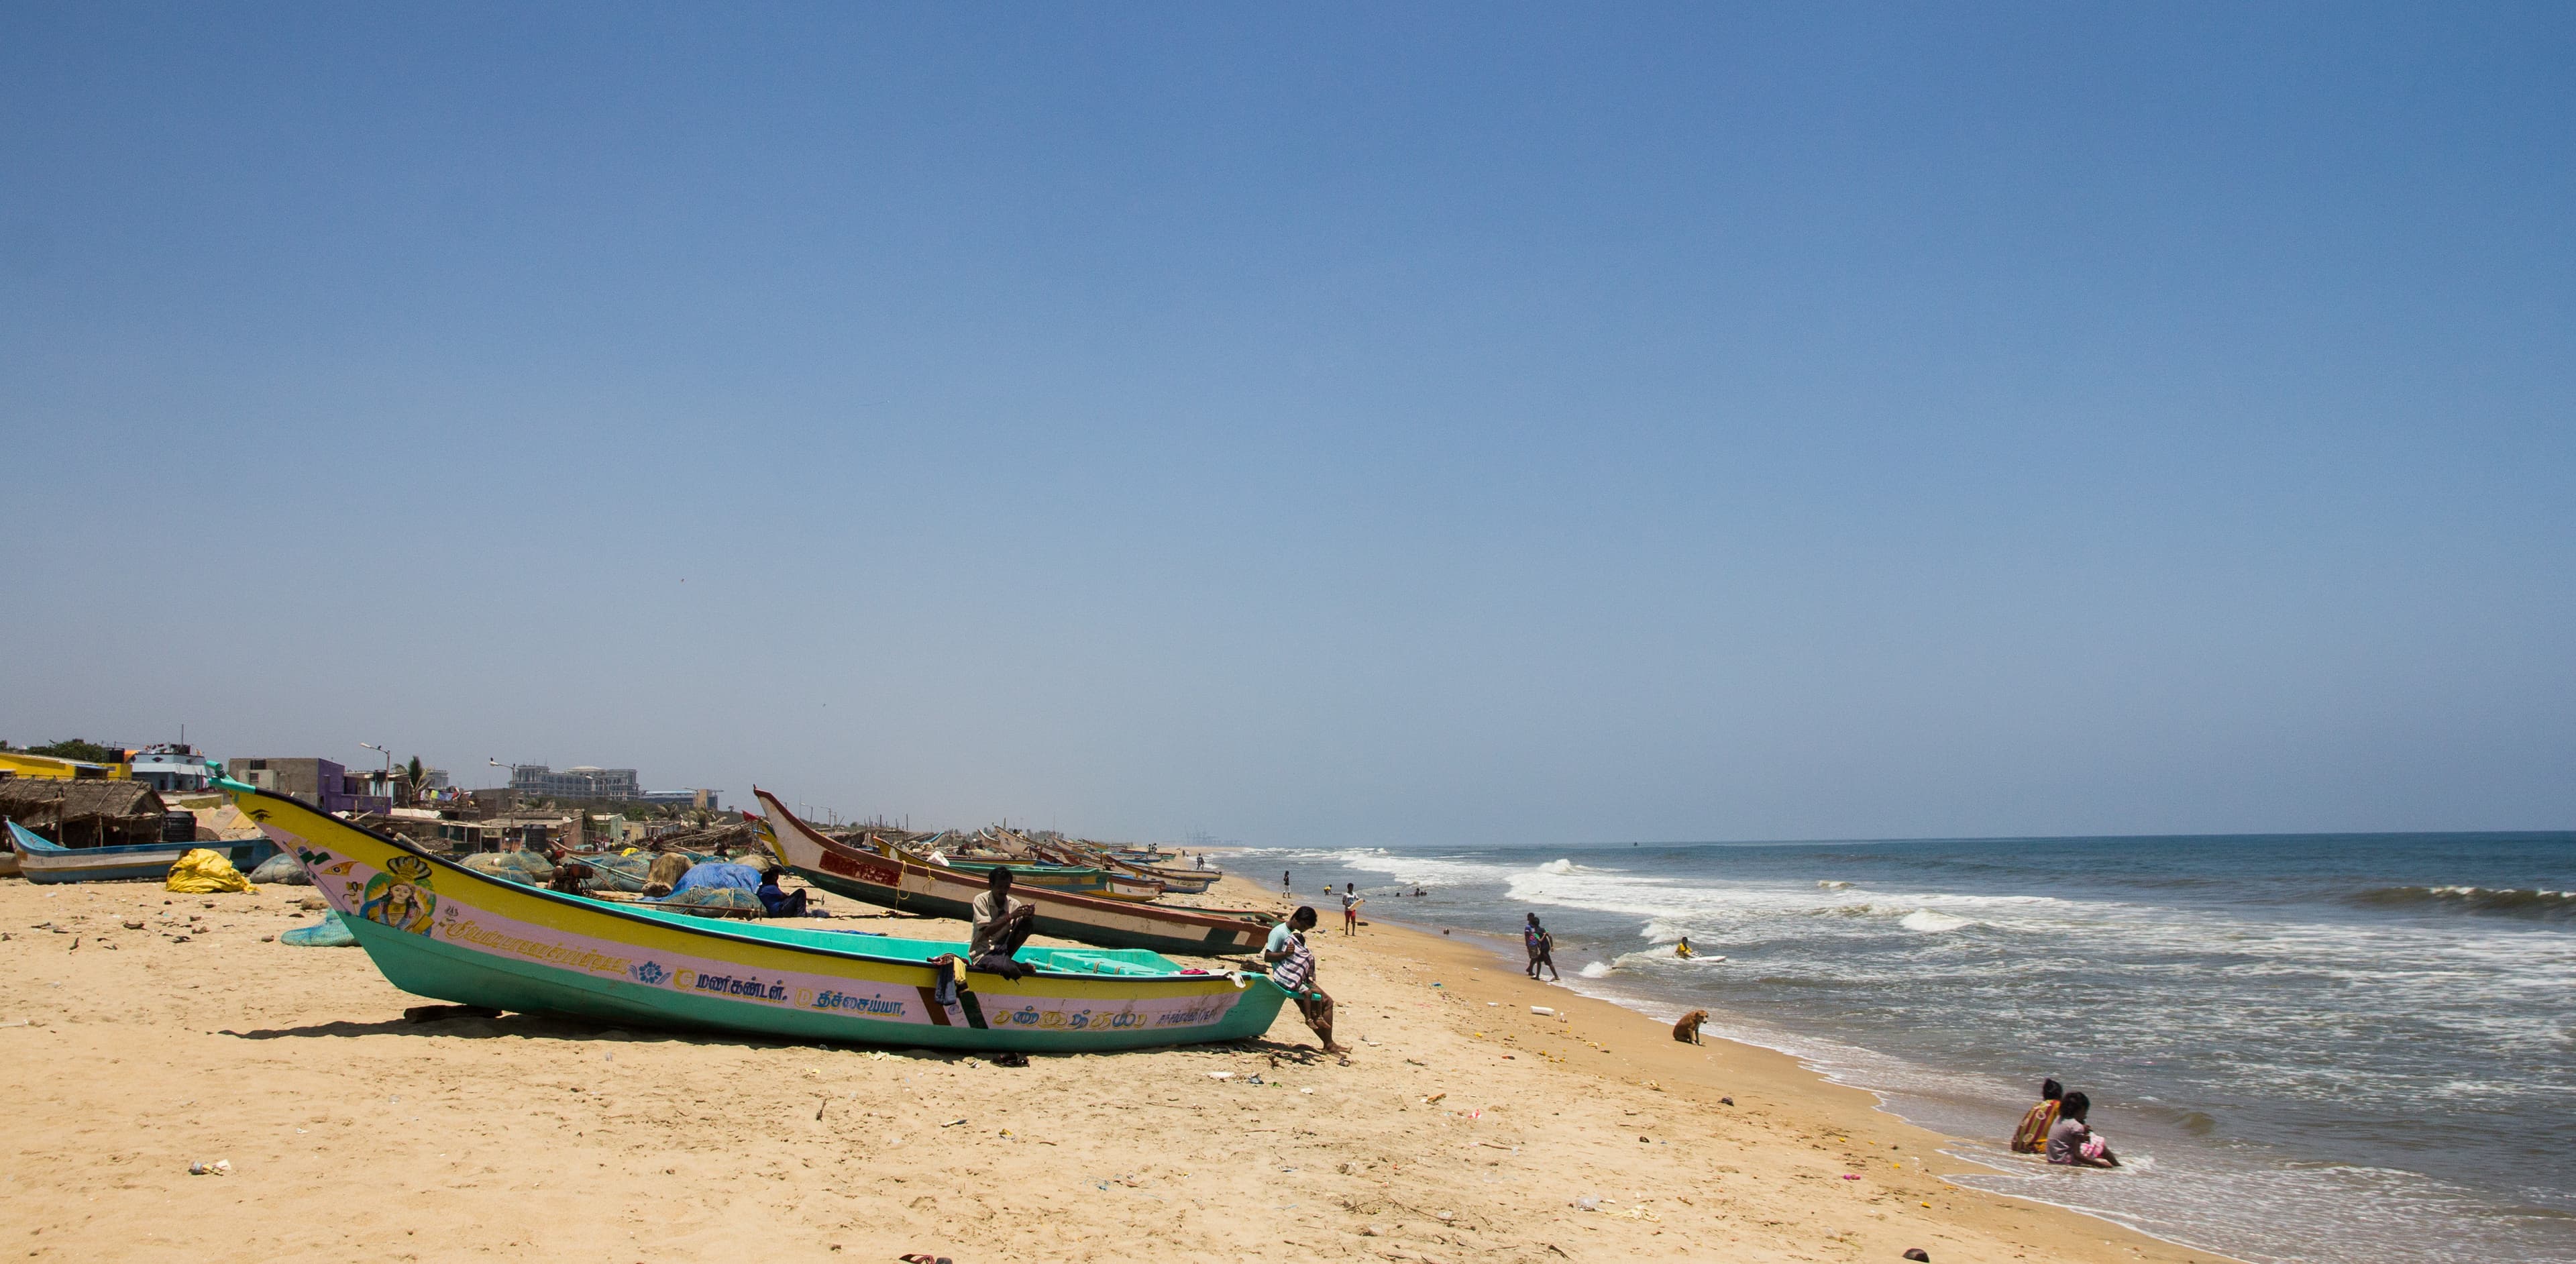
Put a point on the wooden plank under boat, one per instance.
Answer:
(42, 861)
(896, 882)
(441, 930)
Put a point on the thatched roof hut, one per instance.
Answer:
(83, 813)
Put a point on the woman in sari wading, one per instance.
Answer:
(1292, 966)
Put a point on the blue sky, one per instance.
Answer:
(1448, 425)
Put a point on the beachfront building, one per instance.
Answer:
(86, 811)
(35, 767)
(172, 767)
(324, 783)
(536, 781)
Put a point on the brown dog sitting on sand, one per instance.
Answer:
(1687, 1030)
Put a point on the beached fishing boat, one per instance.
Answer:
(1080, 879)
(441, 930)
(1174, 881)
(42, 861)
(897, 882)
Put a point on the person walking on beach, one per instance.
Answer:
(2032, 1136)
(1350, 908)
(1292, 967)
(2071, 1142)
(1285, 886)
(1542, 949)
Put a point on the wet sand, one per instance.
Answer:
(1465, 1127)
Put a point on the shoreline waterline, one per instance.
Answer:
(1508, 953)
(1905, 969)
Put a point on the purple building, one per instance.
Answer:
(320, 782)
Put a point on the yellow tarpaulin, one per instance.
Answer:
(203, 872)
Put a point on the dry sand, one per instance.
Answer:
(1463, 1128)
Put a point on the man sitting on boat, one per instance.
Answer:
(1002, 924)
(1292, 967)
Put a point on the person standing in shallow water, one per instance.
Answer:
(1542, 949)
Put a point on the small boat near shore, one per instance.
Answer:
(439, 929)
(42, 861)
(898, 882)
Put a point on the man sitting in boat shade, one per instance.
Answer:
(1002, 924)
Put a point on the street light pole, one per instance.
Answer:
(387, 781)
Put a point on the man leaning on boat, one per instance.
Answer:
(1002, 924)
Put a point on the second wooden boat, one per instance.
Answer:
(898, 882)
(43, 861)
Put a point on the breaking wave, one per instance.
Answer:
(2508, 901)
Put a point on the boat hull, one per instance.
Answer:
(42, 861)
(895, 883)
(440, 930)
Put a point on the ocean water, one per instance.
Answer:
(2307, 1048)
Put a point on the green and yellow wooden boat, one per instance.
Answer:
(441, 930)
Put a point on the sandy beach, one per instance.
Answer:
(149, 1030)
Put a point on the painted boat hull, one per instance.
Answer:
(42, 861)
(895, 883)
(441, 930)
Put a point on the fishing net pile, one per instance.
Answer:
(330, 932)
(529, 867)
(282, 868)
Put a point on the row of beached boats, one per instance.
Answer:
(439, 929)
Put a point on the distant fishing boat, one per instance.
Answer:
(42, 861)
(441, 930)
(898, 882)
